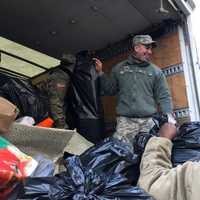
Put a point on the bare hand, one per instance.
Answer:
(98, 64)
(168, 130)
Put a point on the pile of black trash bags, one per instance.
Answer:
(110, 169)
(29, 100)
(107, 171)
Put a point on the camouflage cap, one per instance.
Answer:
(143, 39)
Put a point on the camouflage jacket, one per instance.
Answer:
(58, 83)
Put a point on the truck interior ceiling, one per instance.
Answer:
(53, 27)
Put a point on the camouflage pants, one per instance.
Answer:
(128, 128)
(58, 84)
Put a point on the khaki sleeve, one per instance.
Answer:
(158, 178)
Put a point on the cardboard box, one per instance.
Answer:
(8, 113)
(50, 142)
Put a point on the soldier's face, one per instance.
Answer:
(143, 52)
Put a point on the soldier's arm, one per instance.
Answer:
(162, 93)
(109, 85)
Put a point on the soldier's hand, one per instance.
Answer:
(98, 65)
(168, 130)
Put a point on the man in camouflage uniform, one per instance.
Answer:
(140, 87)
(58, 83)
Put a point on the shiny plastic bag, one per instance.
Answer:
(14, 167)
(187, 144)
(83, 101)
(26, 97)
(112, 154)
(80, 183)
(38, 182)
(107, 171)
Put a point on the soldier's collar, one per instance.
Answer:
(132, 60)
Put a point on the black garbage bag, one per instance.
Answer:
(86, 183)
(79, 183)
(187, 144)
(17, 191)
(104, 172)
(140, 142)
(83, 100)
(113, 154)
(159, 120)
(26, 97)
(37, 188)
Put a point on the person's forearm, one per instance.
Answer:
(156, 162)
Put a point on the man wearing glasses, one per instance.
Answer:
(140, 87)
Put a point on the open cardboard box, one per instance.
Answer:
(50, 142)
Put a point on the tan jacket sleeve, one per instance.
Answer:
(163, 182)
